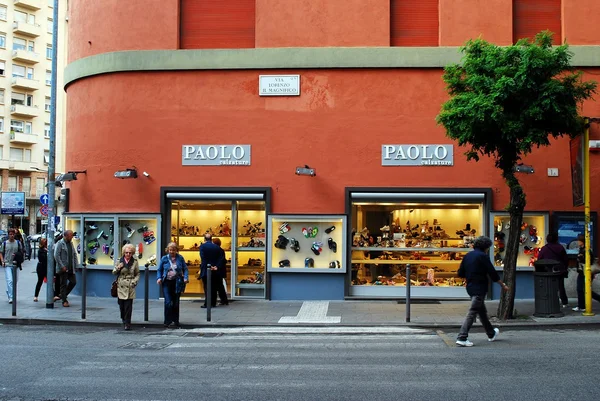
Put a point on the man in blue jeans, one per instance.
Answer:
(475, 268)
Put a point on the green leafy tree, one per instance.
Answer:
(504, 101)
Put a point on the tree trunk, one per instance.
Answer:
(515, 209)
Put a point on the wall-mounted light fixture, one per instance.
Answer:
(306, 171)
(69, 176)
(127, 173)
(523, 168)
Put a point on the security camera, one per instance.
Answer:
(146, 174)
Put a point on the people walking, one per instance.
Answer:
(210, 255)
(581, 276)
(41, 268)
(66, 261)
(9, 259)
(475, 268)
(222, 275)
(553, 250)
(172, 268)
(128, 271)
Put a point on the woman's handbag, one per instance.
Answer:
(179, 285)
(114, 288)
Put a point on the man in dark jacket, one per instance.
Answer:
(553, 250)
(475, 268)
(210, 255)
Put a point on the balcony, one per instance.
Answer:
(19, 165)
(30, 4)
(20, 110)
(25, 56)
(25, 84)
(26, 139)
(23, 28)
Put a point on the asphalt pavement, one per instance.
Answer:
(245, 313)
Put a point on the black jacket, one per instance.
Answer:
(476, 267)
(42, 266)
(210, 253)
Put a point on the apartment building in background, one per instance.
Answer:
(25, 81)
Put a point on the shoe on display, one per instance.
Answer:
(316, 248)
(329, 229)
(332, 245)
(464, 343)
(281, 242)
(332, 265)
(91, 261)
(495, 337)
(309, 262)
(284, 228)
(130, 231)
(294, 244)
(102, 235)
(284, 263)
(111, 229)
(139, 249)
(523, 238)
(142, 229)
(315, 231)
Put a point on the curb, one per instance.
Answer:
(425, 325)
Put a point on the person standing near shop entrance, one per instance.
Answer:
(210, 254)
(171, 268)
(475, 268)
(66, 261)
(222, 275)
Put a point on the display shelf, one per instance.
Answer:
(249, 285)
(417, 249)
(403, 262)
(296, 269)
(251, 249)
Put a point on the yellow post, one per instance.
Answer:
(586, 201)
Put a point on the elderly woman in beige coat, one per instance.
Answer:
(129, 275)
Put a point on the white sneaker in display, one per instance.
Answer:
(464, 343)
(496, 332)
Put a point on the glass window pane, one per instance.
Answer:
(3, 12)
(3, 41)
(20, 16)
(18, 71)
(27, 155)
(19, 44)
(16, 154)
(141, 233)
(99, 240)
(251, 251)
(28, 126)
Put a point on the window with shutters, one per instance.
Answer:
(414, 23)
(533, 16)
(216, 24)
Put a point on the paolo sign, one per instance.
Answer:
(215, 155)
(417, 155)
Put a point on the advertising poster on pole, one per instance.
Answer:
(12, 203)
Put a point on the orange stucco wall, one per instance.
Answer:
(337, 126)
(580, 22)
(112, 25)
(322, 23)
(469, 19)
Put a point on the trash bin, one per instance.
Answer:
(545, 281)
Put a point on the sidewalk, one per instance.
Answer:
(105, 311)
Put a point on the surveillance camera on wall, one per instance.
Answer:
(306, 171)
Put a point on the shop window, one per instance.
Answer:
(532, 237)
(100, 246)
(430, 237)
(142, 234)
(251, 249)
(307, 244)
(74, 224)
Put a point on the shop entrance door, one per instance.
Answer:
(239, 226)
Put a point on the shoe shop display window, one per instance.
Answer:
(532, 237)
(98, 243)
(239, 225)
(307, 244)
(431, 237)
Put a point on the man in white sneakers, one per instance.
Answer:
(475, 268)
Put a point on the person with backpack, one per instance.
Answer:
(11, 256)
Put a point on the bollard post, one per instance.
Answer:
(83, 291)
(14, 294)
(208, 292)
(408, 293)
(146, 289)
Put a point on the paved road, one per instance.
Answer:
(60, 363)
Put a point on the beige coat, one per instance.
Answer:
(128, 279)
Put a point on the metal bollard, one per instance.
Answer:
(84, 290)
(146, 289)
(407, 293)
(14, 294)
(208, 292)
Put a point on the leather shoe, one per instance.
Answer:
(66, 304)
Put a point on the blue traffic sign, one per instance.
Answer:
(44, 199)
